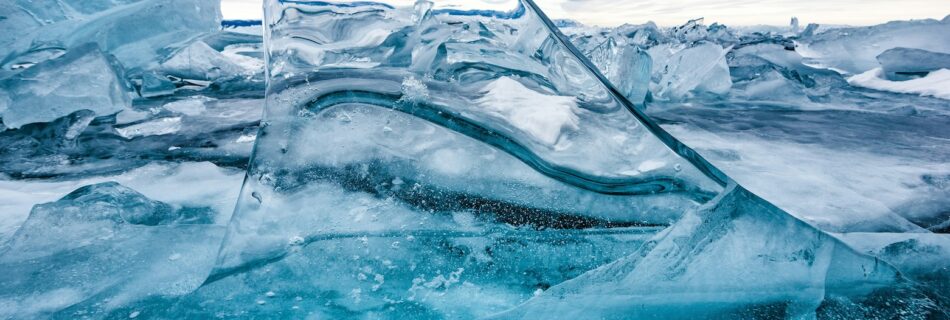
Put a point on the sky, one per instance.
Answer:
(728, 12)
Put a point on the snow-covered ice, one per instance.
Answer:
(935, 84)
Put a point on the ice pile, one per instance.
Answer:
(695, 61)
(780, 104)
(855, 50)
(90, 87)
(460, 160)
(104, 242)
(670, 64)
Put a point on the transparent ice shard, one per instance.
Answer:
(154, 85)
(451, 160)
(693, 70)
(626, 66)
(139, 33)
(200, 61)
(738, 256)
(105, 241)
(919, 256)
(692, 30)
(82, 79)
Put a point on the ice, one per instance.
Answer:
(541, 116)
(458, 160)
(194, 127)
(693, 70)
(159, 126)
(192, 106)
(626, 66)
(921, 256)
(427, 160)
(903, 63)
(855, 50)
(154, 85)
(692, 31)
(735, 257)
(107, 203)
(149, 28)
(935, 84)
(49, 90)
(200, 61)
(104, 241)
(814, 164)
(190, 184)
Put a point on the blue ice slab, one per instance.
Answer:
(398, 145)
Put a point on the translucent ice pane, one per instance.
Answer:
(82, 79)
(407, 148)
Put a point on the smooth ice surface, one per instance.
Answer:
(82, 79)
(814, 175)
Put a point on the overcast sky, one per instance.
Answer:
(729, 12)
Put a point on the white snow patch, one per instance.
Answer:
(540, 115)
(246, 138)
(935, 84)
